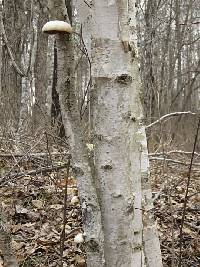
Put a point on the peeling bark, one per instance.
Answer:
(120, 150)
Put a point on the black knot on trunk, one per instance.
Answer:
(124, 79)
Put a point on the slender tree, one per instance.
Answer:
(169, 41)
(40, 71)
(120, 150)
(13, 18)
(113, 178)
(83, 166)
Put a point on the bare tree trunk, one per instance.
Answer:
(83, 167)
(116, 176)
(29, 48)
(10, 78)
(151, 94)
(120, 150)
(56, 115)
(40, 117)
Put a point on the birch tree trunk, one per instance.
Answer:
(120, 150)
(82, 165)
(116, 176)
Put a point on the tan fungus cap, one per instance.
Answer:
(57, 26)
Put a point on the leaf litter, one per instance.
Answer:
(34, 209)
(168, 213)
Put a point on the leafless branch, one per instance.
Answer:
(38, 171)
(82, 47)
(3, 179)
(173, 152)
(33, 155)
(19, 71)
(173, 161)
(167, 116)
(42, 170)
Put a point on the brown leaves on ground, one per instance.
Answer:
(34, 208)
(168, 211)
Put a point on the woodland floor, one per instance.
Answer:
(33, 205)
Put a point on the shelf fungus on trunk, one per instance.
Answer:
(57, 26)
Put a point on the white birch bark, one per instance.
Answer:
(120, 151)
(82, 166)
(120, 172)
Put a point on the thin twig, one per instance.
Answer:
(62, 236)
(173, 152)
(32, 155)
(170, 115)
(19, 71)
(86, 92)
(48, 149)
(4, 178)
(186, 195)
(33, 172)
(173, 161)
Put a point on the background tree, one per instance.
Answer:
(11, 71)
(40, 70)
(169, 41)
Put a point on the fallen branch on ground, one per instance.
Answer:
(33, 172)
(18, 155)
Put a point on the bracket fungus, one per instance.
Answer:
(57, 26)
